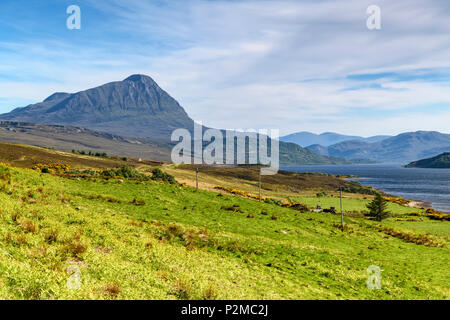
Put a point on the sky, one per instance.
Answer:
(310, 65)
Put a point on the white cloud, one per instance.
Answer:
(277, 64)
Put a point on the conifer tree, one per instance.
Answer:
(378, 208)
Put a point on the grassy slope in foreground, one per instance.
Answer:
(178, 243)
(441, 161)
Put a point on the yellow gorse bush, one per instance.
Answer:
(398, 200)
(52, 168)
(437, 215)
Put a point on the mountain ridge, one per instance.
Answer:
(403, 148)
(135, 107)
(305, 138)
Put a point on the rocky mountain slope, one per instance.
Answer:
(135, 107)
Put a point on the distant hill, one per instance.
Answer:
(403, 148)
(441, 161)
(326, 139)
(319, 149)
(135, 109)
(292, 154)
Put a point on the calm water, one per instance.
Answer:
(431, 185)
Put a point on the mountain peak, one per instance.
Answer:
(57, 96)
(139, 78)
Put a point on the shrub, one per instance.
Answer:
(234, 208)
(74, 246)
(51, 236)
(398, 200)
(436, 215)
(29, 226)
(125, 172)
(210, 293)
(89, 172)
(297, 206)
(112, 289)
(159, 175)
(412, 238)
(51, 168)
(109, 173)
(273, 201)
(182, 290)
(15, 216)
(5, 174)
(137, 202)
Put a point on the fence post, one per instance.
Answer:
(196, 178)
(342, 210)
(260, 185)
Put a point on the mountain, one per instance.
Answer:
(319, 149)
(135, 107)
(403, 148)
(441, 161)
(292, 154)
(326, 139)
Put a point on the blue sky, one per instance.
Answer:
(293, 65)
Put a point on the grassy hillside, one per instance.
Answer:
(68, 138)
(282, 184)
(24, 156)
(135, 239)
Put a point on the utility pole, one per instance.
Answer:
(260, 185)
(196, 178)
(342, 210)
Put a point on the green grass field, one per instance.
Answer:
(352, 204)
(147, 240)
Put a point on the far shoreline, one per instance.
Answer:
(419, 204)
